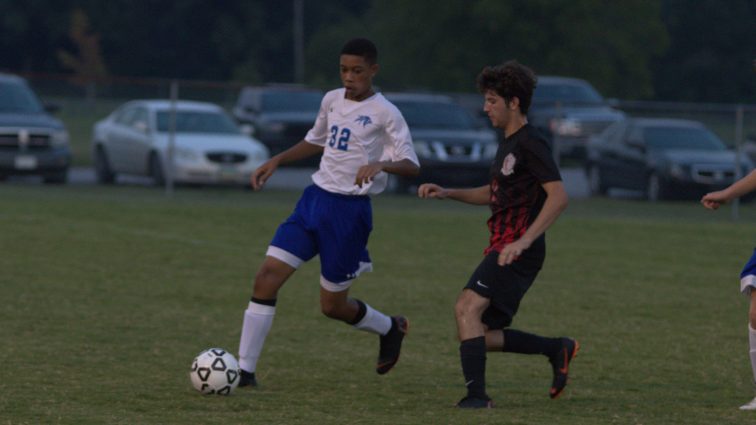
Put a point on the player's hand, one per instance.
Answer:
(713, 200)
(366, 173)
(510, 252)
(430, 190)
(263, 173)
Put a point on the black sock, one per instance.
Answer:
(524, 343)
(361, 310)
(472, 352)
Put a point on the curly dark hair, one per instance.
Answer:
(361, 47)
(510, 79)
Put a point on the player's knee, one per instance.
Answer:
(752, 318)
(463, 310)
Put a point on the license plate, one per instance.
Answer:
(228, 173)
(24, 162)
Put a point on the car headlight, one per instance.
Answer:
(566, 127)
(422, 148)
(676, 171)
(185, 154)
(59, 138)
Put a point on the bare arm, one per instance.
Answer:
(556, 202)
(476, 196)
(741, 187)
(404, 167)
(299, 151)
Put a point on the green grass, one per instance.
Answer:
(109, 293)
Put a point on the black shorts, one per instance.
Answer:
(504, 286)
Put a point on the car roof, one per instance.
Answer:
(180, 104)
(557, 79)
(417, 97)
(11, 78)
(665, 122)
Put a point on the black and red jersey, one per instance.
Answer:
(523, 163)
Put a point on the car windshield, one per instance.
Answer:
(15, 97)
(682, 138)
(288, 101)
(436, 115)
(197, 122)
(566, 93)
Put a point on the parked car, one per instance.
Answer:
(452, 146)
(568, 111)
(208, 146)
(280, 115)
(665, 158)
(32, 142)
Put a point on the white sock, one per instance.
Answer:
(752, 344)
(374, 321)
(258, 318)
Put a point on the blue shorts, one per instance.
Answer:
(333, 225)
(748, 275)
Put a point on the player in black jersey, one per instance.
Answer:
(525, 196)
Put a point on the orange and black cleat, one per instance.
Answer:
(560, 362)
(391, 344)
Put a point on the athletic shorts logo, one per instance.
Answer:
(507, 167)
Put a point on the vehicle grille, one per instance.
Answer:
(456, 152)
(713, 174)
(226, 157)
(23, 140)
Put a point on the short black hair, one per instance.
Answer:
(508, 80)
(361, 47)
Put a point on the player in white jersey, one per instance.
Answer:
(362, 137)
(748, 276)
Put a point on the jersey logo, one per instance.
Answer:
(507, 166)
(364, 120)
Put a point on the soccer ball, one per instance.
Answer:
(215, 371)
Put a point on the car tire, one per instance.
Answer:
(595, 183)
(656, 189)
(104, 173)
(156, 169)
(59, 177)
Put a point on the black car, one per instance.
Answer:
(568, 111)
(453, 147)
(281, 116)
(32, 142)
(665, 158)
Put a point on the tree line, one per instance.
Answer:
(681, 50)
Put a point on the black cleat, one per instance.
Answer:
(471, 402)
(560, 362)
(247, 379)
(391, 344)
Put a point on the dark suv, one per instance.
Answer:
(568, 111)
(31, 141)
(454, 148)
(281, 116)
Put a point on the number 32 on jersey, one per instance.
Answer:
(339, 140)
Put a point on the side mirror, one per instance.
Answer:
(50, 107)
(247, 130)
(250, 109)
(141, 126)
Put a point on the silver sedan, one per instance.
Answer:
(208, 147)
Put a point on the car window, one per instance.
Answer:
(287, 101)
(126, 116)
(140, 115)
(682, 138)
(17, 97)
(436, 115)
(197, 122)
(566, 93)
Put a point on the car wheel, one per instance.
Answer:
(56, 178)
(595, 184)
(104, 173)
(655, 190)
(156, 170)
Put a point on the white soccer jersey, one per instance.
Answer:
(354, 134)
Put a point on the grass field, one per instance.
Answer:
(109, 293)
